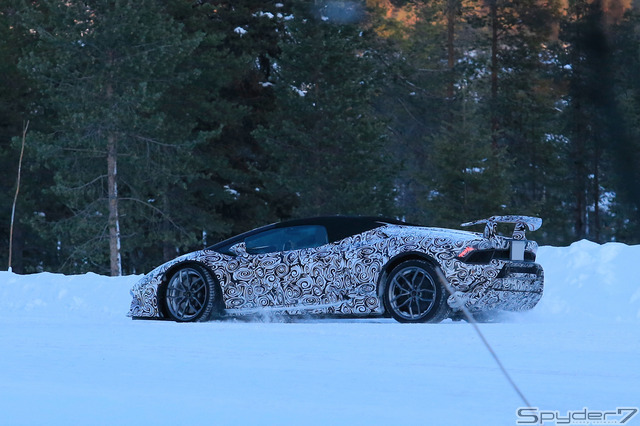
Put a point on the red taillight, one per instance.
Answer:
(465, 252)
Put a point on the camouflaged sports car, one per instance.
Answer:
(360, 266)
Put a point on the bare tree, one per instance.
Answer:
(25, 127)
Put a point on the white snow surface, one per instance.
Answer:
(69, 355)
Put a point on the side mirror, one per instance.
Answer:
(239, 249)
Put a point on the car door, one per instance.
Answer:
(286, 267)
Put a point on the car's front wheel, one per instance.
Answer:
(413, 293)
(191, 294)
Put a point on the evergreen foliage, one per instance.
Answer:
(326, 143)
(212, 117)
(103, 69)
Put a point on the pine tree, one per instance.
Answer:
(595, 127)
(413, 56)
(622, 199)
(10, 120)
(525, 104)
(326, 141)
(234, 94)
(16, 100)
(466, 174)
(103, 67)
(508, 79)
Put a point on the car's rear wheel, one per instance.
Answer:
(191, 294)
(413, 293)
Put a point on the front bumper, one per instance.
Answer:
(518, 287)
(144, 303)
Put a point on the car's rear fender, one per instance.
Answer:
(402, 257)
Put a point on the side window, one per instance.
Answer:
(284, 239)
(265, 242)
(302, 237)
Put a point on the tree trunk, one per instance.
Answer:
(114, 223)
(15, 201)
(168, 248)
(112, 178)
(580, 133)
(596, 191)
(17, 265)
(493, 12)
(452, 7)
(581, 174)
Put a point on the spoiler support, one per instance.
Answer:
(522, 224)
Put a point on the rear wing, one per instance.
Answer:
(522, 224)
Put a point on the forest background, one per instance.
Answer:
(148, 128)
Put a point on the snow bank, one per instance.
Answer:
(60, 296)
(583, 282)
(590, 282)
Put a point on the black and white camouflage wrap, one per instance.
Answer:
(346, 277)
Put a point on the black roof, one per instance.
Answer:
(338, 227)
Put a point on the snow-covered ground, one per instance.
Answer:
(69, 355)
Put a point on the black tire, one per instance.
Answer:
(191, 294)
(413, 293)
